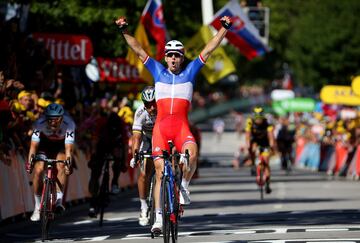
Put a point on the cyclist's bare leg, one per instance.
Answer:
(62, 177)
(159, 166)
(37, 179)
(193, 152)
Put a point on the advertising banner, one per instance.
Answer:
(67, 49)
(355, 85)
(339, 95)
(117, 70)
(298, 104)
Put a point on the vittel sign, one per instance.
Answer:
(67, 49)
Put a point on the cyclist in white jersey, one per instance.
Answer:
(174, 89)
(144, 121)
(54, 136)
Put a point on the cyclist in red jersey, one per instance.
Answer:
(173, 94)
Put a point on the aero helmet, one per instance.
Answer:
(148, 94)
(54, 110)
(174, 46)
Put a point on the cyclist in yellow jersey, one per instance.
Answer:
(259, 135)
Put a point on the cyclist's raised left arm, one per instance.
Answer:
(216, 40)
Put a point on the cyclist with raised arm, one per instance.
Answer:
(143, 125)
(173, 93)
(259, 135)
(54, 136)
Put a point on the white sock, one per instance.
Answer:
(185, 183)
(144, 205)
(59, 196)
(158, 214)
(37, 201)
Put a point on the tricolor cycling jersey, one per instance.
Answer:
(65, 132)
(173, 92)
(143, 121)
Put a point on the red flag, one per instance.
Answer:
(153, 20)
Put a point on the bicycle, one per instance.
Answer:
(261, 176)
(142, 156)
(48, 195)
(170, 192)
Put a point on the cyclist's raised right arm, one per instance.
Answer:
(130, 40)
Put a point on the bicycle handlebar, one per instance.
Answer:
(40, 157)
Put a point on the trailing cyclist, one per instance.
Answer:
(174, 90)
(54, 136)
(259, 136)
(143, 125)
(112, 140)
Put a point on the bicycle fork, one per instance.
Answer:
(48, 188)
(169, 175)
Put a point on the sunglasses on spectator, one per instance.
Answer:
(150, 104)
(170, 54)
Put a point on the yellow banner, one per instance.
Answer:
(218, 65)
(133, 59)
(339, 95)
(355, 85)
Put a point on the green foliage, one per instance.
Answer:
(320, 40)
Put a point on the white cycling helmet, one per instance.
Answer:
(174, 46)
(148, 94)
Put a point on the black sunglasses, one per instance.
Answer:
(173, 54)
(149, 104)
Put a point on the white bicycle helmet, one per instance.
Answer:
(148, 94)
(174, 46)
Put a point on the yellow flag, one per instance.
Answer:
(218, 65)
(133, 59)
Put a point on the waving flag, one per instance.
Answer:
(133, 59)
(218, 65)
(243, 33)
(153, 20)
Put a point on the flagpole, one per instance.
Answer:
(207, 10)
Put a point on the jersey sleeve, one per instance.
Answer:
(138, 120)
(194, 67)
(70, 132)
(154, 68)
(35, 137)
(248, 125)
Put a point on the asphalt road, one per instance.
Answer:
(304, 206)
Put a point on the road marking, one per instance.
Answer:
(309, 240)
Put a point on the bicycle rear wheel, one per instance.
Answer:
(45, 211)
(260, 180)
(165, 209)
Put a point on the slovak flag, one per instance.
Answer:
(243, 34)
(153, 20)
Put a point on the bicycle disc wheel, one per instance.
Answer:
(45, 211)
(165, 209)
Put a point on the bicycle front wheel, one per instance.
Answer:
(103, 197)
(150, 200)
(175, 215)
(165, 208)
(45, 211)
